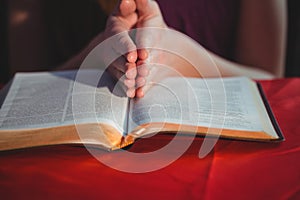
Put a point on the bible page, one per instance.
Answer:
(44, 99)
(227, 103)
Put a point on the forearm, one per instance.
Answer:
(229, 68)
(198, 62)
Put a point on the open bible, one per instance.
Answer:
(48, 108)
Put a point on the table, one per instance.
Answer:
(234, 169)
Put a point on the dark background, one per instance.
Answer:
(3, 42)
(61, 47)
(293, 44)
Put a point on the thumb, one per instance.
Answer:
(142, 7)
(125, 8)
(147, 8)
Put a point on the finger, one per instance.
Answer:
(131, 70)
(140, 82)
(126, 7)
(119, 76)
(131, 93)
(130, 83)
(143, 7)
(142, 54)
(123, 44)
(131, 56)
(142, 69)
(139, 93)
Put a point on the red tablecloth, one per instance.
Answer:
(234, 169)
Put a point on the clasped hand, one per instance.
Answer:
(131, 69)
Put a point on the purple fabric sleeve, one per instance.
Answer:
(212, 23)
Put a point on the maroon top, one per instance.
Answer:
(212, 23)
